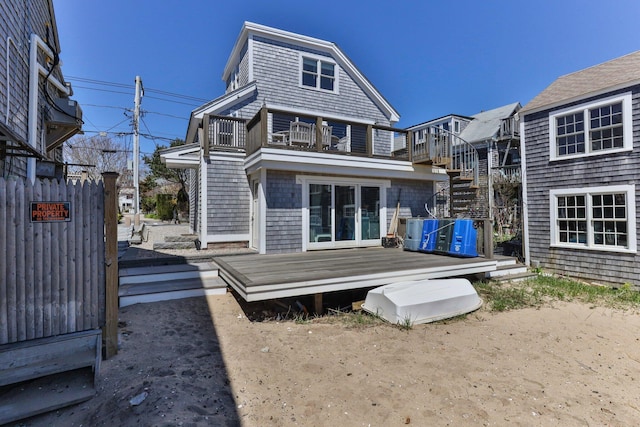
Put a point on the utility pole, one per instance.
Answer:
(136, 150)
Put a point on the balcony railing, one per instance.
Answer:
(223, 133)
(271, 128)
(510, 173)
(292, 131)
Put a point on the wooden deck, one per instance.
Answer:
(262, 277)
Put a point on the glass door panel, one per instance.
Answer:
(370, 213)
(345, 212)
(320, 223)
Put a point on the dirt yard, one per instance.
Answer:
(199, 362)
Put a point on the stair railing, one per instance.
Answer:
(454, 153)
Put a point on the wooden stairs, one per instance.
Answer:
(149, 283)
(460, 159)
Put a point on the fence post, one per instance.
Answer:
(110, 330)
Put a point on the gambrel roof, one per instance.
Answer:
(611, 75)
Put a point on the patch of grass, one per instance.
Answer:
(406, 324)
(543, 289)
(352, 319)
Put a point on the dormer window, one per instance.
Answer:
(318, 73)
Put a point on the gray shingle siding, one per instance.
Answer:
(284, 213)
(229, 196)
(605, 170)
(18, 20)
(277, 71)
(413, 196)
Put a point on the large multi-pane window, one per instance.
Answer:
(319, 74)
(594, 218)
(591, 129)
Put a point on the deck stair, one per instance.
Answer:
(509, 270)
(166, 282)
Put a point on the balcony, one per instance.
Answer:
(284, 130)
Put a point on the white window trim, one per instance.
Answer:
(630, 192)
(305, 180)
(326, 59)
(627, 127)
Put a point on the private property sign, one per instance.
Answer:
(50, 211)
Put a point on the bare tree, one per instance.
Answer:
(95, 155)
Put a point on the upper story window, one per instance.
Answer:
(456, 126)
(603, 126)
(318, 73)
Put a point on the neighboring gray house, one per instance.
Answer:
(581, 156)
(494, 136)
(37, 115)
(300, 152)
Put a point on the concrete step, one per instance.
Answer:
(515, 277)
(174, 245)
(182, 238)
(507, 270)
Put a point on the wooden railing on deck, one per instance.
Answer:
(223, 133)
(355, 139)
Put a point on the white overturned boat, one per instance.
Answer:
(422, 301)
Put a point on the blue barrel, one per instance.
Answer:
(413, 234)
(429, 235)
(463, 239)
(443, 236)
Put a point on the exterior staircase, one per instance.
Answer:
(151, 283)
(460, 159)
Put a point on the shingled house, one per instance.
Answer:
(581, 155)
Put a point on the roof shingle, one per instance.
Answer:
(610, 74)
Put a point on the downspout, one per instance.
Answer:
(204, 200)
(35, 69)
(525, 208)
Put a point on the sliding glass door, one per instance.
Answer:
(343, 215)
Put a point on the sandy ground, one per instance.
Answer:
(202, 362)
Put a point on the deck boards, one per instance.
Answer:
(258, 277)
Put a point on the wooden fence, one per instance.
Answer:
(52, 273)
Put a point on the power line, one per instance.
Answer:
(128, 86)
(166, 115)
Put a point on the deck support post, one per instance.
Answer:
(488, 238)
(317, 301)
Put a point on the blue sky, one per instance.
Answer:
(428, 58)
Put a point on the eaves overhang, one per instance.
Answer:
(331, 164)
(12, 145)
(181, 157)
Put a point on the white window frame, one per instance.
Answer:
(627, 127)
(630, 193)
(319, 60)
